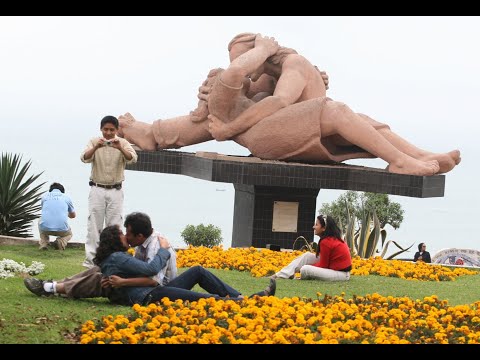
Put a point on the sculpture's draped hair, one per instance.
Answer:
(249, 39)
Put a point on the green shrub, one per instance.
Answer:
(201, 235)
(19, 197)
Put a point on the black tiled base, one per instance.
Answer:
(253, 171)
(260, 182)
(253, 215)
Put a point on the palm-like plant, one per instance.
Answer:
(364, 240)
(19, 203)
(312, 247)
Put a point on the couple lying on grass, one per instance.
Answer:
(151, 274)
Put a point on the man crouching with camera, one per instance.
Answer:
(108, 155)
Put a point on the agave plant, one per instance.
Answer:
(364, 240)
(312, 247)
(19, 198)
(350, 232)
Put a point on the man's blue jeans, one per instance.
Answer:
(180, 287)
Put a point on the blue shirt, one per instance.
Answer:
(127, 266)
(55, 208)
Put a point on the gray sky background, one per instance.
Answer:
(60, 75)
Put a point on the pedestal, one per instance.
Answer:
(253, 215)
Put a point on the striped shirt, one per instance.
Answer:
(148, 250)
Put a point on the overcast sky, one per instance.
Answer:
(60, 75)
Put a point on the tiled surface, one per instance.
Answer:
(259, 183)
(161, 161)
(253, 215)
(248, 171)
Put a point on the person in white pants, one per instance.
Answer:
(332, 261)
(108, 155)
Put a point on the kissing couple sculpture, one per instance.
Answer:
(273, 101)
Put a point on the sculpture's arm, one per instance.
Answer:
(289, 88)
(250, 61)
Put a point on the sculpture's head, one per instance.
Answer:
(244, 42)
(240, 44)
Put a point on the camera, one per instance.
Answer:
(107, 143)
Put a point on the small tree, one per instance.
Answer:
(201, 235)
(388, 212)
(338, 208)
(19, 203)
(363, 217)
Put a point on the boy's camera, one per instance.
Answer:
(107, 143)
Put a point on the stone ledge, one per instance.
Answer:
(245, 170)
(13, 240)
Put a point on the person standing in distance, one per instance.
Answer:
(56, 206)
(108, 155)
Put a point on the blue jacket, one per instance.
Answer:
(126, 266)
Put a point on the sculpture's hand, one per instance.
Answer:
(203, 92)
(324, 76)
(325, 79)
(217, 128)
(200, 113)
(268, 43)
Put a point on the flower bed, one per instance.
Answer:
(269, 320)
(262, 262)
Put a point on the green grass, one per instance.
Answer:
(28, 319)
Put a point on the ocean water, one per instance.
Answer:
(175, 201)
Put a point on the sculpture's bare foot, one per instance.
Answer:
(137, 132)
(447, 161)
(411, 166)
(455, 155)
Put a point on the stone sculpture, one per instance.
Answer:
(273, 101)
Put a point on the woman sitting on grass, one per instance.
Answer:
(332, 261)
(113, 260)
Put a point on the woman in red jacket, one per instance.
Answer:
(332, 261)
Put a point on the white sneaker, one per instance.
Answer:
(87, 264)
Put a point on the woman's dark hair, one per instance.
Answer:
(109, 243)
(139, 223)
(57, 186)
(109, 119)
(331, 229)
(420, 247)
